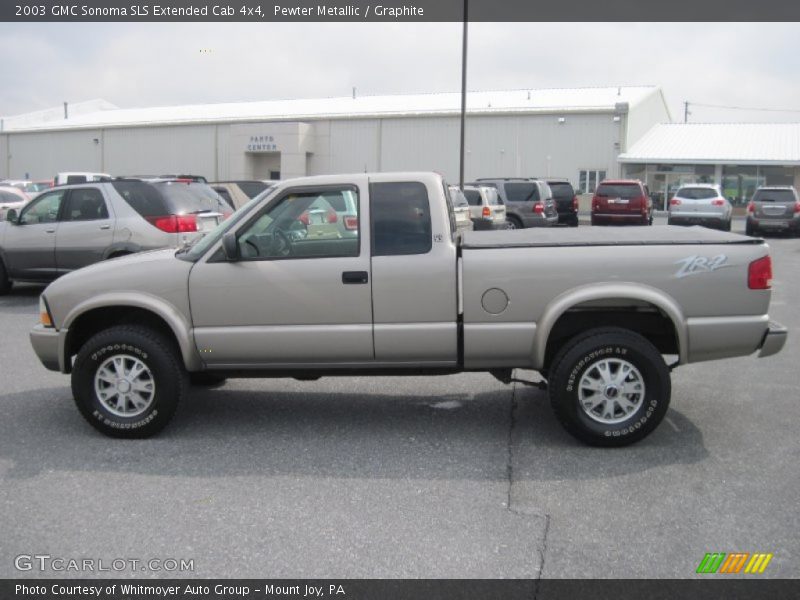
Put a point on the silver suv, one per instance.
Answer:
(773, 209)
(72, 226)
(529, 202)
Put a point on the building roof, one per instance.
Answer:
(600, 99)
(55, 115)
(718, 143)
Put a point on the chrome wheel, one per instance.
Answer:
(124, 385)
(611, 390)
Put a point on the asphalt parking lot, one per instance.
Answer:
(457, 476)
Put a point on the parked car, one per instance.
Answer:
(594, 318)
(566, 200)
(69, 178)
(529, 202)
(461, 209)
(11, 197)
(773, 209)
(700, 204)
(70, 227)
(240, 192)
(35, 187)
(622, 201)
(485, 208)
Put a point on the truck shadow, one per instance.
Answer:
(230, 432)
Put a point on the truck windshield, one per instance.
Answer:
(199, 248)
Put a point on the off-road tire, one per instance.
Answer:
(578, 357)
(164, 369)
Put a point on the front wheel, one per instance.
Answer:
(5, 282)
(513, 223)
(127, 381)
(609, 387)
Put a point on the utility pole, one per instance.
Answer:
(686, 112)
(463, 95)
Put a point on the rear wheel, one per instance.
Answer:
(749, 229)
(609, 387)
(5, 282)
(574, 221)
(127, 381)
(726, 226)
(513, 223)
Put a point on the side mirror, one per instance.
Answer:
(12, 216)
(230, 247)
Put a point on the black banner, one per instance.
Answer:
(401, 589)
(396, 10)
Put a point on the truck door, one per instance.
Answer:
(86, 229)
(413, 273)
(299, 294)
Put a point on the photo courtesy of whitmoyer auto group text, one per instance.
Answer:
(424, 300)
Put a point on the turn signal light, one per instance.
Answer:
(759, 274)
(751, 207)
(674, 202)
(797, 207)
(717, 202)
(486, 212)
(350, 222)
(538, 208)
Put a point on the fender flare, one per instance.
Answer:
(126, 247)
(177, 322)
(630, 291)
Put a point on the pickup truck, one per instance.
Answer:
(603, 316)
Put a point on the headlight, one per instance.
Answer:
(44, 313)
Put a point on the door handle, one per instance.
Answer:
(49, 230)
(355, 277)
(105, 226)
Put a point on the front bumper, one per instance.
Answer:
(46, 342)
(774, 339)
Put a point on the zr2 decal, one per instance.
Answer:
(694, 265)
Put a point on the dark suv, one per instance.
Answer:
(529, 202)
(566, 200)
(622, 201)
(773, 209)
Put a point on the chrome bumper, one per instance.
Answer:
(46, 342)
(774, 339)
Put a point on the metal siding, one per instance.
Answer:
(643, 116)
(4, 157)
(158, 150)
(421, 144)
(353, 146)
(42, 155)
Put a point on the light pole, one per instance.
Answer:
(463, 95)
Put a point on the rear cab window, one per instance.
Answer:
(562, 190)
(401, 218)
(774, 196)
(473, 197)
(697, 193)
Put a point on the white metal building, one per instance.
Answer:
(737, 156)
(573, 133)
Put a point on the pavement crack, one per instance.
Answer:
(542, 555)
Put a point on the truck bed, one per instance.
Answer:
(602, 236)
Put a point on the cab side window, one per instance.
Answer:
(86, 204)
(43, 210)
(401, 218)
(305, 225)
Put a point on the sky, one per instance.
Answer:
(748, 65)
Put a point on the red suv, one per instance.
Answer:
(622, 201)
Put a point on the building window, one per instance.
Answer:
(589, 179)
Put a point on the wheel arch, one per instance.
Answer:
(108, 310)
(621, 299)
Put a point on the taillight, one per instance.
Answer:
(674, 202)
(751, 207)
(797, 207)
(486, 212)
(332, 216)
(350, 222)
(717, 202)
(538, 208)
(759, 274)
(304, 218)
(175, 223)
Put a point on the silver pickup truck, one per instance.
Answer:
(602, 315)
